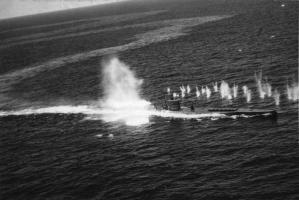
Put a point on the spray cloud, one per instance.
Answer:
(121, 94)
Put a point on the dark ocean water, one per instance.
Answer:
(55, 59)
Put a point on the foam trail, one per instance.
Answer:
(197, 92)
(208, 92)
(188, 89)
(181, 115)
(235, 91)
(276, 96)
(215, 86)
(225, 90)
(98, 113)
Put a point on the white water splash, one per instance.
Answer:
(215, 87)
(235, 91)
(203, 90)
(183, 91)
(121, 94)
(175, 95)
(276, 97)
(248, 96)
(245, 90)
(208, 92)
(197, 92)
(293, 91)
(268, 89)
(247, 93)
(225, 90)
(188, 89)
(264, 88)
(168, 90)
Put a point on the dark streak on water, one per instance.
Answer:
(58, 156)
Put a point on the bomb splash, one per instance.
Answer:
(121, 94)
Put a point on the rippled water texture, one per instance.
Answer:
(62, 138)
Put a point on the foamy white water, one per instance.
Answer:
(208, 92)
(183, 91)
(293, 91)
(168, 90)
(235, 91)
(245, 90)
(276, 97)
(248, 96)
(197, 92)
(188, 89)
(121, 94)
(215, 86)
(203, 90)
(225, 90)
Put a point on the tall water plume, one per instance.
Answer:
(264, 88)
(248, 96)
(235, 91)
(293, 91)
(276, 97)
(203, 90)
(245, 90)
(183, 91)
(247, 93)
(197, 92)
(208, 92)
(121, 94)
(215, 87)
(268, 88)
(188, 89)
(225, 90)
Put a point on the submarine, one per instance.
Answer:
(175, 105)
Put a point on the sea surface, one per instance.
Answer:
(53, 62)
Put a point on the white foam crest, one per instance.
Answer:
(177, 114)
(130, 117)
(52, 110)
